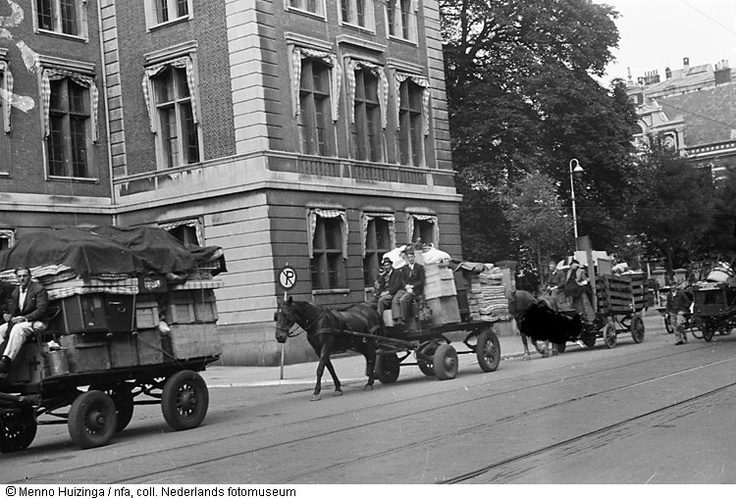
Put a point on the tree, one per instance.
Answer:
(538, 218)
(523, 98)
(673, 208)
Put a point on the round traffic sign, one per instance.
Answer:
(287, 278)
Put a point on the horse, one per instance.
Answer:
(328, 331)
(540, 320)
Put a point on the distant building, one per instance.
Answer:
(693, 110)
(312, 133)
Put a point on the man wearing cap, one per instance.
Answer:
(388, 283)
(26, 311)
(413, 274)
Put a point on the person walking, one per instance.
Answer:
(679, 307)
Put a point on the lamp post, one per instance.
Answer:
(575, 169)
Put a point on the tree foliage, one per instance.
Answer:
(674, 206)
(523, 98)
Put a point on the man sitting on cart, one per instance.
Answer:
(576, 288)
(26, 311)
(413, 274)
(389, 281)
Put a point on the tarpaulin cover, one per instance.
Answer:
(107, 249)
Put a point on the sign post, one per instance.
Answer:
(287, 280)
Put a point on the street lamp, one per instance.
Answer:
(575, 169)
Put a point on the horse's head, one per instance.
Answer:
(285, 319)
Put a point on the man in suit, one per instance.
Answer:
(26, 310)
(413, 286)
(389, 282)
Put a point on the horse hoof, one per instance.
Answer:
(337, 393)
(315, 398)
(368, 388)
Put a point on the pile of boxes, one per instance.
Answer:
(116, 321)
(440, 294)
(487, 296)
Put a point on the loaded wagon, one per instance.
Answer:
(426, 339)
(714, 309)
(618, 305)
(134, 329)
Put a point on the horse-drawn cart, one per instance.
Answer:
(714, 308)
(111, 343)
(619, 301)
(432, 350)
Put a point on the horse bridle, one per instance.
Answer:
(291, 334)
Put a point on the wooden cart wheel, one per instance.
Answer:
(445, 362)
(708, 331)
(92, 419)
(609, 335)
(184, 400)
(387, 368)
(637, 329)
(488, 350)
(17, 429)
(122, 397)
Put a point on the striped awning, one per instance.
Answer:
(52, 74)
(6, 94)
(184, 62)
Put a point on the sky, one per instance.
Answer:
(656, 34)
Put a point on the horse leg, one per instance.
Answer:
(318, 385)
(370, 366)
(338, 386)
(524, 340)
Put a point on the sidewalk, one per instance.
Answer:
(348, 366)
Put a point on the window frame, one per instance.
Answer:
(152, 17)
(401, 19)
(366, 131)
(409, 137)
(315, 122)
(373, 251)
(418, 223)
(82, 19)
(352, 18)
(9, 236)
(53, 69)
(192, 226)
(305, 7)
(169, 61)
(63, 135)
(327, 251)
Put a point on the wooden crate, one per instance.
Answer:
(146, 314)
(444, 310)
(149, 347)
(620, 294)
(191, 341)
(191, 306)
(87, 352)
(438, 281)
(122, 350)
(712, 301)
(95, 312)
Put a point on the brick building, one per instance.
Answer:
(312, 133)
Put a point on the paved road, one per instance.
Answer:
(647, 413)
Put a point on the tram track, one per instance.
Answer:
(317, 436)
